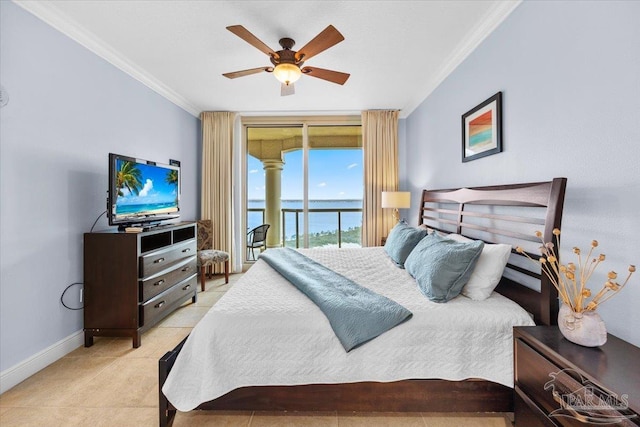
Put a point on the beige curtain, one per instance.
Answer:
(217, 172)
(380, 146)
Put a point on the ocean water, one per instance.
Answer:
(318, 221)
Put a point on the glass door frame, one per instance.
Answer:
(288, 121)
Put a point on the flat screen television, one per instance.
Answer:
(141, 192)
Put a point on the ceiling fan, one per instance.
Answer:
(287, 63)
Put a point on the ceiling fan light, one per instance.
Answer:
(287, 73)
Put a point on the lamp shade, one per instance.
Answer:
(287, 73)
(396, 199)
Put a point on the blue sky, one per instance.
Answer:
(333, 174)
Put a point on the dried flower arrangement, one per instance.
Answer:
(571, 280)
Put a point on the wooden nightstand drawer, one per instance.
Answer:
(557, 390)
(539, 378)
(558, 383)
(529, 414)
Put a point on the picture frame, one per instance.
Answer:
(482, 129)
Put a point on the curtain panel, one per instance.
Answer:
(380, 146)
(216, 202)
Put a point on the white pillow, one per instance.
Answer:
(488, 269)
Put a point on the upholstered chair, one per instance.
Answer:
(207, 256)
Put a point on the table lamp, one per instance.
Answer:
(396, 200)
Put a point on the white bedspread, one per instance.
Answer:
(264, 331)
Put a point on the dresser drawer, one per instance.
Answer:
(157, 284)
(160, 305)
(157, 261)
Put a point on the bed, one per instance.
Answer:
(266, 346)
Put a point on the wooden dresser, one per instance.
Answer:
(595, 384)
(133, 280)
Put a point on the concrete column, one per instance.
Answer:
(273, 192)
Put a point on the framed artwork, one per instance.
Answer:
(482, 129)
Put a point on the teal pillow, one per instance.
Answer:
(442, 266)
(401, 241)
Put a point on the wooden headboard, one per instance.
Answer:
(506, 214)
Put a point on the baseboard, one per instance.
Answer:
(23, 370)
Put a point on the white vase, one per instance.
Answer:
(586, 328)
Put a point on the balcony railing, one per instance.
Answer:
(297, 212)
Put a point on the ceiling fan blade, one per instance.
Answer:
(329, 75)
(323, 41)
(245, 35)
(286, 90)
(243, 73)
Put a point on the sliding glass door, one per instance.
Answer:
(335, 186)
(305, 180)
(274, 182)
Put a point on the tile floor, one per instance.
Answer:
(113, 384)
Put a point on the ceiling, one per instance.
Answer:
(397, 52)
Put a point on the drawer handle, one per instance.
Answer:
(160, 304)
(186, 250)
(159, 282)
(185, 269)
(158, 261)
(186, 287)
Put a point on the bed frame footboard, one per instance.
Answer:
(399, 396)
(167, 411)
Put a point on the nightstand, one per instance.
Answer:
(559, 383)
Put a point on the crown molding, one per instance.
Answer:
(494, 17)
(49, 14)
(61, 22)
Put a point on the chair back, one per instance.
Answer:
(259, 234)
(205, 238)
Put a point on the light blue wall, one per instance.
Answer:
(570, 77)
(68, 109)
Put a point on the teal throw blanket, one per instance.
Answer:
(355, 313)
